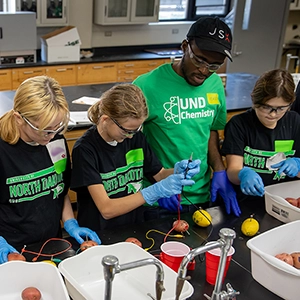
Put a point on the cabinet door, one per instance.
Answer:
(111, 11)
(29, 5)
(295, 5)
(96, 73)
(144, 11)
(20, 74)
(72, 136)
(54, 12)
(5, 80)
(64, 74)
(129, 70)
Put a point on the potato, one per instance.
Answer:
(87, 244)
(296, 259)
(134, 241)
(15, 256)
(180, 226)
(31, 293)
(292, 201)
(286, 258)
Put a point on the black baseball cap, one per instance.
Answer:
(211, 34)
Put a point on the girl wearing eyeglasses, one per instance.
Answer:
(35, 169)
(262, 145)
(111, 159)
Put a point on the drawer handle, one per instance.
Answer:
(129, 72)
(61, 70)
(130, 65)
(97, 67)
(31, 72)
(3, 74)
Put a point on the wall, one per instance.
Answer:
(126, 35)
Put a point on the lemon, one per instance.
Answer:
(202, 218)
(250, 227)
(49, 262)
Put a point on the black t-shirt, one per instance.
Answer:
(119, 168)
(32, 192)
(246, 136)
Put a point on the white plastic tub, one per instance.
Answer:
(15, 276)
(274, 274)
(85, 281)
(275, 202)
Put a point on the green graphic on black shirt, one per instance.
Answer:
(35, 185)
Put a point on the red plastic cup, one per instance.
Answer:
(172, 254)
(212, 264)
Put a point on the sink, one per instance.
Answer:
(84, 279)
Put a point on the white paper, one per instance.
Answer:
(85, 100)
(79, 117)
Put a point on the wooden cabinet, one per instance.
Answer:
(129, 70)
(80, 74)
(20, 74)
(115, 12)
(96, 73)
(5, 80)
(72, 136)
(64, 74)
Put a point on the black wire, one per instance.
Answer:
(212, 227)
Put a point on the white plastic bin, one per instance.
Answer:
(85, 279)
(275, 202)
(274, 274)
(15, 276)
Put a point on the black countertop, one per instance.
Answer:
(238, 90)
(111, 54)
(239, 272)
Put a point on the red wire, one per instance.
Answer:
(41, 249)
(175, 224)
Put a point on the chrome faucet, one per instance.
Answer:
(111, 267)
(226, 238)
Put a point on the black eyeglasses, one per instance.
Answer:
(44, 132)
(278, 110)
(199, 63)
(128, 131)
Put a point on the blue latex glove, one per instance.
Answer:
(5, 249)
(172, 185)
(73, 229)
(251, 183)
(221, 184)
(170, 203)
(290, 166)
(189, 169)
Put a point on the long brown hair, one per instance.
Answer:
(120, 102)
(275, 83)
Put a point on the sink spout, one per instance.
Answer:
(111, 267)
(226, 238)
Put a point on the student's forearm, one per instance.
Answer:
(214, 156)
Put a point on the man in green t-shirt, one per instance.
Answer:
(187, 107)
